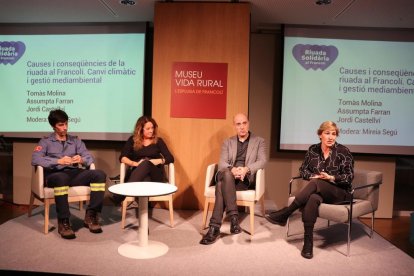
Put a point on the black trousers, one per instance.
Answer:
(226, 188)
(75, 177)
(313, 194)
(146, 171)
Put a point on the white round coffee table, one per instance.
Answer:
(143, 248)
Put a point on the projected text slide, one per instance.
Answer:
(366, 87)
(97, 79)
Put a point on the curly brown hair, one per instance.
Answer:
(138, 135)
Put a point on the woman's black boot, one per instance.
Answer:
(307, 251)
(280, 217)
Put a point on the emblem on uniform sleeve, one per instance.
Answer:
(38, 148)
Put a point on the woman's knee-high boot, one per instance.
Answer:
(307, 251)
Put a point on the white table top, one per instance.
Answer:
(143, 189)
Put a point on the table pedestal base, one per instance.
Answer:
(133, 250)
(143, 248)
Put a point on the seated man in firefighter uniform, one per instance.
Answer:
(64, 158)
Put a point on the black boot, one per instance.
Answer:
(307, 251)
(280, 217)
(116, 199)
(234, 225)
(211, 236)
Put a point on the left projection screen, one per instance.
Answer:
(93, 72)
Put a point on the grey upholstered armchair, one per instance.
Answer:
(365, 195)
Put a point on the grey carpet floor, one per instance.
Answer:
(268, 252)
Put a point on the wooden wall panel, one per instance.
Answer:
(198, 32)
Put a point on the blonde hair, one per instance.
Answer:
(326, 126)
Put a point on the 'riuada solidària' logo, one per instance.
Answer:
(315, 56)
(11, 51)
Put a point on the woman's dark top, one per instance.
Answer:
(152, 151)
(339, 163)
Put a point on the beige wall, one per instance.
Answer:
(279, 169)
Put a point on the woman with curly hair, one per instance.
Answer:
(145, 153)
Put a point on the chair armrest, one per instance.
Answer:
(365, 186)
(211, 169)
(37, 183)
(122, 171)
(260, 183)
(359, 187)
(171, 173)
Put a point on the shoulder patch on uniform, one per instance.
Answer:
(38, 148)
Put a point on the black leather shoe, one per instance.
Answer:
(307, 251)
(279, 217)
(211, 236)
(234, 225)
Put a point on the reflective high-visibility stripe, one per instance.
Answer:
(61, 191)
(97, 187)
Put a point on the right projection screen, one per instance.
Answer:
(362, 79)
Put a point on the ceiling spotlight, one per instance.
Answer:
(127, 2)
(323, 2)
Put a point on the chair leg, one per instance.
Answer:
(287, 228)
(251, 207)
(349, 237)
(262, 205)
(47, 208)
(123, 212)
(29, 211)
(372, 224)
(205, 213)
(80, 205)
(170, 207)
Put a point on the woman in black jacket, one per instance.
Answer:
(330, 168)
